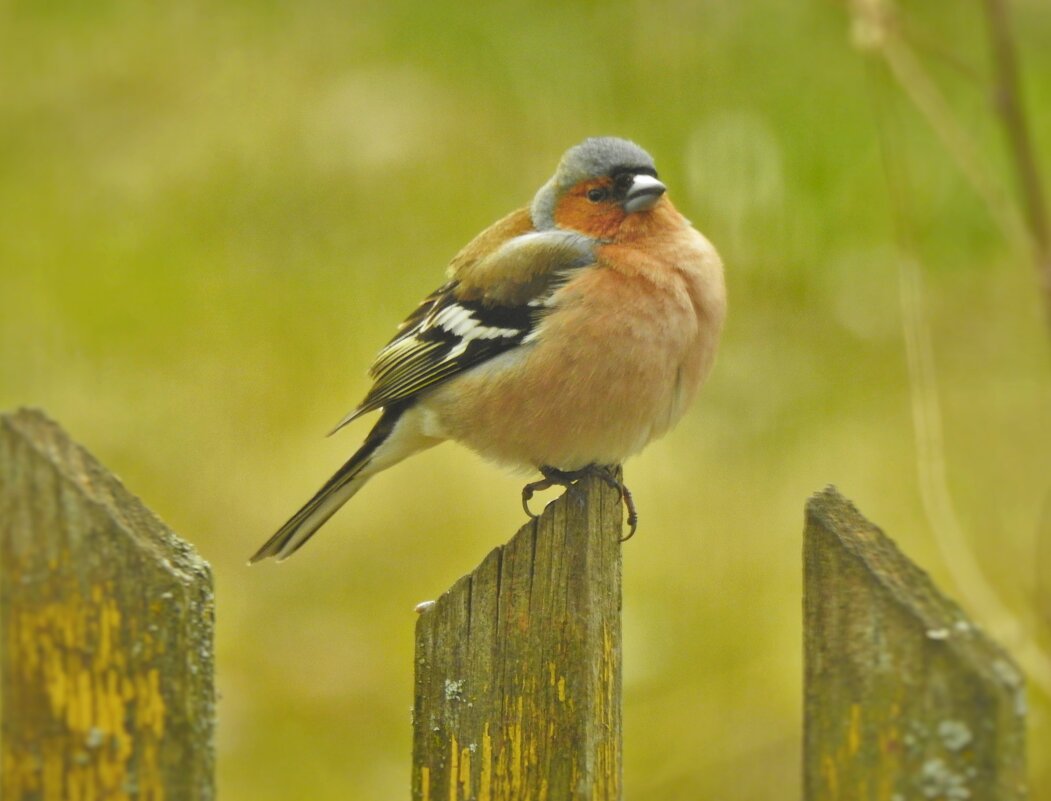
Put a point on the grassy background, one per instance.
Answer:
(211, 217)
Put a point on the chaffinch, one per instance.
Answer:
(568, 335)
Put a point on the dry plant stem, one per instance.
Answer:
(1043, 564)
(933, 475)
(1027, 230)
(924, 94)
(1009, 105)
(930, 46)
(1016, 127)
(930, 445)
(934, 486)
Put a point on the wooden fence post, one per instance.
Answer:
(106, 618)
(904, 696)
(518, 679)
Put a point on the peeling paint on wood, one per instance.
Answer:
(106, 618)
(530, 645)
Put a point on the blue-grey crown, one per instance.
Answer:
(592, 158)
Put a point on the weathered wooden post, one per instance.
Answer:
(106, 618)
(518, 665)
(904, 696)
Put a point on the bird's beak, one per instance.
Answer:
(644, 193)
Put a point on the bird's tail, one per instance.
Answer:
(388, 443)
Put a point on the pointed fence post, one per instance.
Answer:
(106, 618)
(904, 696)
(518, 665)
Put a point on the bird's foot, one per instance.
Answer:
(553, 477)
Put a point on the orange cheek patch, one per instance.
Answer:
(575, 212)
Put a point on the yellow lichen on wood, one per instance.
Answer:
(454, 773)
(465, 772)
(514, 731)
(831, 776)
(902, 694)
(91, 692)
(533, 637)
(106, 665)
(854, 732)
(425, 782)
(485, 784)
(607, 756)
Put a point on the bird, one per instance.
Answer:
(566, 336)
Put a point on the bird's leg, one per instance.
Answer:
(611, 476)
(562, 478)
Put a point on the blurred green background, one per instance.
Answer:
(213, 215)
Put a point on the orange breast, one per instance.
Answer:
(615, 365)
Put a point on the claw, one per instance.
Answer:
(609, 475)
(554, 477)
(550, 479)
(633, 514)
(527, 493)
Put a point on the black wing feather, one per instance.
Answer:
(428, 352)
(427, 349)
(446, 335)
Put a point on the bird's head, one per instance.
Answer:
(597, 186)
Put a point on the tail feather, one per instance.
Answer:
(385, 445)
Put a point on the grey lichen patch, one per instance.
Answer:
(938, 780)
(1010, 676)
(878, 633)
(916, 736)
(1006, 671)
(490, 719)
(454, 690)
(954, 734)
(95, 738)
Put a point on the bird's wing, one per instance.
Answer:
(490, 305)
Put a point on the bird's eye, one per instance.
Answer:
(597, 195)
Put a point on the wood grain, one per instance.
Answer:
(518, 665)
